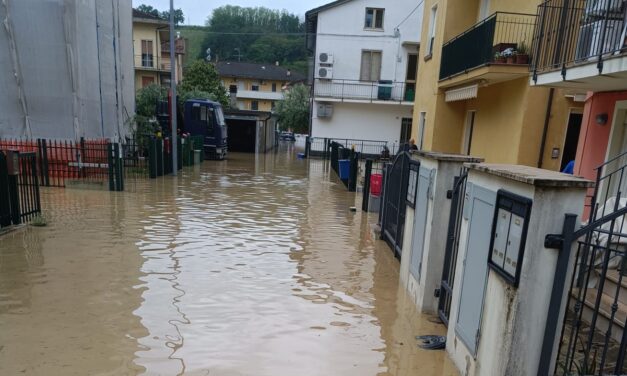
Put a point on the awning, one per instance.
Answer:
(462, 93)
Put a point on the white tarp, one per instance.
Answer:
(66, 68)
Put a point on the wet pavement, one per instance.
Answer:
(252, 266)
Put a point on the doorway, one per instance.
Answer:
(410, 78)
(406, 125)
(571, 142)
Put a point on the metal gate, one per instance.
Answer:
(593, 339)
(5, 203)
(394, 202)
(452, 246)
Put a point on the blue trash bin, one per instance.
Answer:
(345, 168)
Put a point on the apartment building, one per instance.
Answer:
(256, 87)
(151, 43)
(365, 61)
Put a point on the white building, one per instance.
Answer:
(366, 58)
(66, 69)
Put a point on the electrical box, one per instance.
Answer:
(13, 162)
(509, 232)
(325, 110)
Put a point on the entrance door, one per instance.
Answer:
(394, 201)
(572, 139)
(406, 125)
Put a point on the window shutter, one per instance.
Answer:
(366, 66)
(376, 66)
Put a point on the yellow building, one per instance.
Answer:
(151, 45)
(475, 98)
(256, 87)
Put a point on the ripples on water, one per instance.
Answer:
(244, 267)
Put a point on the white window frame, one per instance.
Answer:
(375, 12)
(432, 29)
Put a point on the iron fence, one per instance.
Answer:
(19, 188)
(571, 32)
(367, 149)
(491, 41)
(371, 91)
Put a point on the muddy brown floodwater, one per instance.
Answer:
(252, 266)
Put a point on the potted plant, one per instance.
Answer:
(510, 55)
(499, 58)
(522, 54)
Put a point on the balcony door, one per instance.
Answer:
(147, 54)
(410, 79)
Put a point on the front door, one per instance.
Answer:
(572, 139)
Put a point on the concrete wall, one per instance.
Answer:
(513, 319)
(67, 70)
(362, 122)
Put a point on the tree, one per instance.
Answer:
(179, 18)
(260, 34)
(201, 76)
(146, 101)
(293, 111)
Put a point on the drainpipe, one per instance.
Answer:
(547, 119)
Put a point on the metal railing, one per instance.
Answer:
(152, 62)
(371, 91)
(502, 38)
(19, 188)
(571, 32)
(320, 147)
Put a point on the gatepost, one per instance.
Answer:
(504, 273)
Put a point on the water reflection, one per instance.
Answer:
(251, 266)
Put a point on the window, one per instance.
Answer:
(406, 125)
(147, 54)
(370, 66)
(147, 80)
(432, 25)
(374, 18)
(254, 105)
(273, 105)
(254, 87)
(233, 89)
(421, 134)
(274, 87)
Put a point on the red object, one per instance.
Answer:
(376, 184)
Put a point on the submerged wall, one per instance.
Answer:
(68, 70)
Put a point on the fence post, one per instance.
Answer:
(366, 196)
(179, 151)
(307, 146)
(152, 158)
(119, 169)
(159, 149)
(5, 204)
(354, 167)
(45, 167)
(547, 355)
(110, 162)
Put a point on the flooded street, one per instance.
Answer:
(252, 266)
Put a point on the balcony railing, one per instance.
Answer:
(152, 62)
(571, 32)
(179, 46)
(487, 42)
(371, 91)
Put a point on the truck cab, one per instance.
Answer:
(205, 118)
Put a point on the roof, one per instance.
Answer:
(147, 17)
(258, 71)
(325, 7)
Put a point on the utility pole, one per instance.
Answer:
(173, 119)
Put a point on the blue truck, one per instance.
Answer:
(199, 117)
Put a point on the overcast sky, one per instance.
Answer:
(196, 11)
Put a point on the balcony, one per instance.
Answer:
(494, 50)
(354, 91)
(179, 46)
(152, 63)
(581, 45)
(260, 95)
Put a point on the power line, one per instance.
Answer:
(410, 14)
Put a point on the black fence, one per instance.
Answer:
(371, 91)
(502, 38)
(19, 188)
(572, 32)
(345, 164)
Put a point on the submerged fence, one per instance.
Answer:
(321, 147)
(19, 188)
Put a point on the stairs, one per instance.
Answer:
(605, 307)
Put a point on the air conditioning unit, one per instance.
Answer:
(325, 58)
(591, 39)
(325, 73)
(600, 8)
(325, 110)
